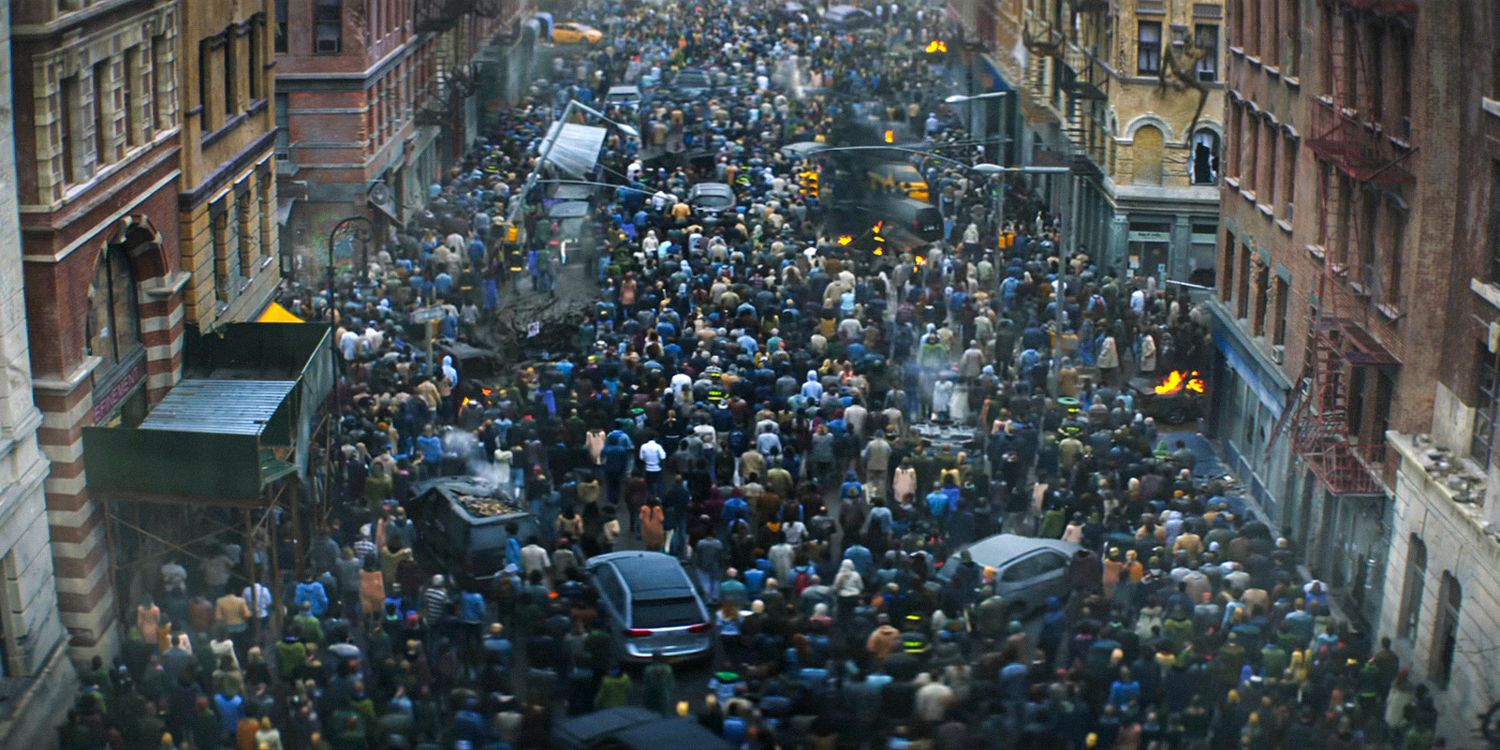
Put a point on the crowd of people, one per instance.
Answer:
(751, 397)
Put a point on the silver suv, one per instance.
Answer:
(651, 605)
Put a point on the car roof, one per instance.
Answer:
(1002, 548)
(671, 732)
(593, 726)
(650, 575)
(636, 728)
(709, 188)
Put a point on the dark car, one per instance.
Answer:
(691, 83)
(848, 17)
(631, 728)
(650, 606)
(711, 200)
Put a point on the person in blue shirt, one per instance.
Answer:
(430, 447)
(938, 502)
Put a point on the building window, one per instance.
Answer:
(1242, 284)
(1411, 598)
(1235, 112)
(1250, 26)
(1205, 165)
(283, 125)
(1288, 177)
(1226, 263)
(114, 324)
(257, 70)
(1267, 165)
(247, 249)
(1485, 417)
(328, 26)
(1252, 152)
(1494, 269)
(72, 101)
(1283, 305)
(1395, 244)
(226, 263)
(231, 75)
(102, 111)
(1262, 290)
(205, 85)
(281, 25)
(1445, 630)
(133, 98)
(1291, 62)
(1148, 48)
(161, 80)
(1206, 35)
(1400, 83)
(267, 214)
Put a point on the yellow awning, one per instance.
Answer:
(278, 314)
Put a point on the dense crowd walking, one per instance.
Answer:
(817, 433)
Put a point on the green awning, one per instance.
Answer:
(241, 420)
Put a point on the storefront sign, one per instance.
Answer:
(1137, 236)
(105, 403)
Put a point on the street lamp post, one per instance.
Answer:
(356, 229)
(995, 170)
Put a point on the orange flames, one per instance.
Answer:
(1178, 380)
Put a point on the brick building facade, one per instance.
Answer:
(98, 157)
(375, 98)
(1337, 209)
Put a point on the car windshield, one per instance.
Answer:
(713, 200)
(692, 78)
(675, 612)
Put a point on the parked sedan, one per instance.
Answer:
(1028, 570)
(572, 32)
(650, 605)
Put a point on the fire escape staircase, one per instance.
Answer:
(1317, 420)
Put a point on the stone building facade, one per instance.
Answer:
(98, 156)
(227, 202)
(34, 670)
(1441, 602)
(1097, 91)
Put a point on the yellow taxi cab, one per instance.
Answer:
(898, 177)
(571, 32)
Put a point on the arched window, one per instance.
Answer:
(1147, 153)
(113, 325)
(1204, 168)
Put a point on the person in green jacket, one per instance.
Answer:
(291, 657)
(660, 688)
(614, 690)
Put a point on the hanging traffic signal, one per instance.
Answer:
(890, 136)
(937, 46)
(807, 180)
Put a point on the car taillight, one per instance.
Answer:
(701, 627)
(637, 632)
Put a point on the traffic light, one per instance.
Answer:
(1007, 240)
(807, 180)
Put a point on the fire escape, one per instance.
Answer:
(1080, 79)
(455, 80)
(1339, 338)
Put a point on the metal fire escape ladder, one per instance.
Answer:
(1317, 417)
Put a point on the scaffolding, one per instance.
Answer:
(1339, 339)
